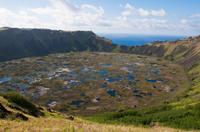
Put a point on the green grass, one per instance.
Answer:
(187, 118)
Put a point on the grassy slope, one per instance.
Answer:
(63, 125)
(57, 122)
(183, 118)
(14, 106)
(187, 54)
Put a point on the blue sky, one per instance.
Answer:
(165, 17)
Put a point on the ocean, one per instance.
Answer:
(136, 40)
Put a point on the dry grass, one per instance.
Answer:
(63, 125)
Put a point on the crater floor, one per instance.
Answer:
(88, 83)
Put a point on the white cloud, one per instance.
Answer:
(184, 21)
(143, 12)
(160, 12)
(17, 19)
(70, 16)
(59, 14)
(154, 13)
(196, 15)
(62, 14)
(189, 24)
(127, 10)
(131, 10)
(142, 24)
(141, 20)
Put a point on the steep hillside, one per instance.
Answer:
(19, 43)
(182, 113)
(186, 52)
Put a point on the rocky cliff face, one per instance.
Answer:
(19, 43)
